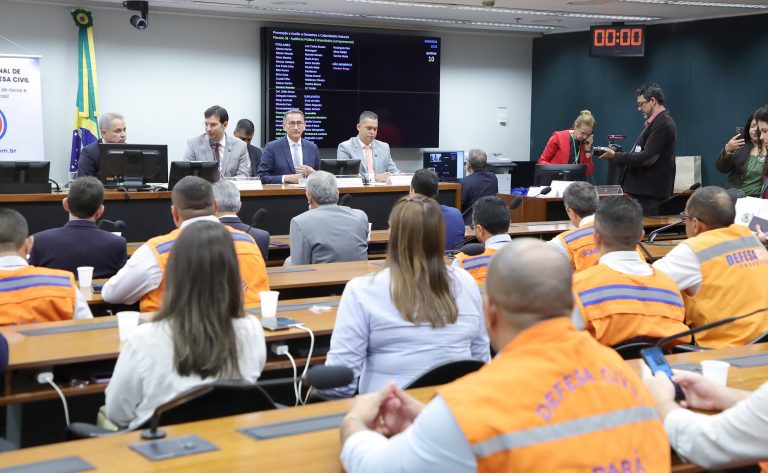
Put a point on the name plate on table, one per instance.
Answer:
(349, 181)
(172, 448)
(248, 184)
(60, 465)
(401, 180)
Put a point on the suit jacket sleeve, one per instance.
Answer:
(254, 154)
(267, 165)
(659, 135)
(343, 151)
(391, 166)
(313, 156)
(550, 151)
(189, 153)
(301, 252)
(87, 165)
(243, 162)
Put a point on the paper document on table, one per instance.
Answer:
(748, 207)
(558, 187)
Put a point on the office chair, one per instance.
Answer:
(629, 349)
(208, 401)
(445, 373)
(685, 348)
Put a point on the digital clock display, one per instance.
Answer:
(617, 41)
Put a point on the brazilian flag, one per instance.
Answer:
(86, 129)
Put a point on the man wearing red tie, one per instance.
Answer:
(216, 145)
(288, 159)
(373, 154)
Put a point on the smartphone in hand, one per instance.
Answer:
(656, 361)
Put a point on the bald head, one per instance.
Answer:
(530, 281)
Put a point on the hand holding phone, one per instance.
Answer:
(656, 361)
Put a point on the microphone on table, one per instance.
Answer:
(652, 236)
(257, 218)
(117, 225)
(473, 249)
(319, 377)
(679, 197)
(706, 327)
(345, 200)
(520, 199)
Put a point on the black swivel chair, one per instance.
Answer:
(630, 349)
(208, 401)
(445, 373)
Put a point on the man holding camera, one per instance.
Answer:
(648, 170)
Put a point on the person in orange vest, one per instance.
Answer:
(30, 293)
(721, 270)
(580, 199)
(623, 297)
(491, 222)
(142, 277)
(553, 400)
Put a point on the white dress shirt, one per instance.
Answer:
(145, 375)
(627, 262)
(141, 274)
(682, 265)
(736, 435)
(496, 242)
(434, 443)
(298, 150)
(373, 339)
(82, 311)
(557, 243)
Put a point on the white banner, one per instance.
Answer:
(21, 109)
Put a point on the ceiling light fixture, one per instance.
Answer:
(689, 3)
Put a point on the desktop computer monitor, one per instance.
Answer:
(24, 177)
(208, 170)
(448, 165)
(341, 167)
(546, 173)
(132, 166)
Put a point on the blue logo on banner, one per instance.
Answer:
(3, 124)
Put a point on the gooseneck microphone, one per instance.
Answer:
(521, 199)
(706, 327)
(117, 225)
(652, 236)
(473, 249)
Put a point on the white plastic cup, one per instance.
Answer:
(268, 303)
(370, 177)
(72, 177)
(370, 225)
(715, 371)
(85, 275)
(127, 322)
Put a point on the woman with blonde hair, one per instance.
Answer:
(415, 313)
(573, 146)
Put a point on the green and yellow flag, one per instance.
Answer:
(86, 130)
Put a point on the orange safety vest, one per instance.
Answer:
(477, 265)
(617, 306)
(734, 281)
(253, 271)
(31, 294)
(580, 245)
(556, 400)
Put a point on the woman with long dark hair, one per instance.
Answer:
(415, 313)
(201, 333)
(743, 159)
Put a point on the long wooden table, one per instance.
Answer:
(313, 451)
(148, 214)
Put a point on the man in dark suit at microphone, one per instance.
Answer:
(721, 269)
(215, 145)
(228, 204)
(287, 160)
(80, 242)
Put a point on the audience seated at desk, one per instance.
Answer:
(327, 232)
(80, 242)
(228, 204)
(32, 294)
(491, 221)
(425, 183)
(479, 182)
(244, 130)
(215, 145)
(722, 269)
(288, 159)
(550, 402)
(373, 154)
(580, 199)
(142, 277)
(623, 297)
(112, 127)
(413, 314)
(201, 333)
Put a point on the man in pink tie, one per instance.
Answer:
(373, 154)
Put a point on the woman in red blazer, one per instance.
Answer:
(572, 146)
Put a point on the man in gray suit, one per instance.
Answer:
(373, 154)
(327, 232)
(216, 145)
